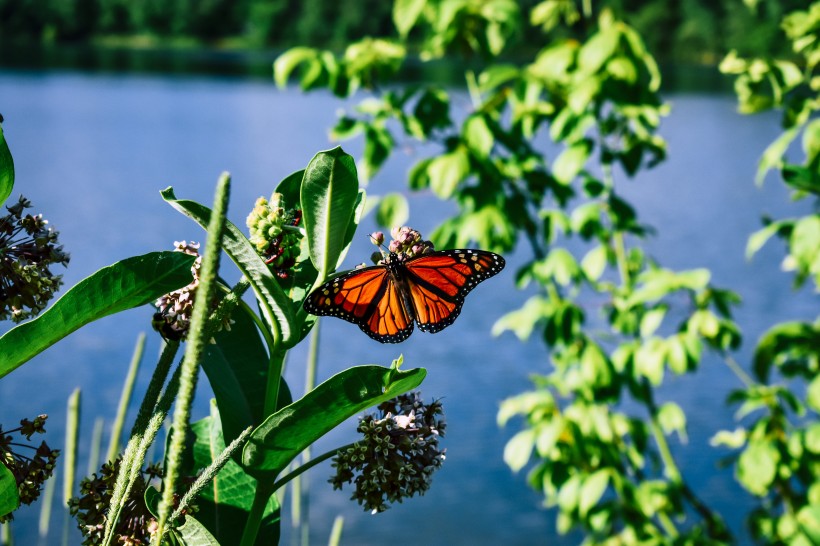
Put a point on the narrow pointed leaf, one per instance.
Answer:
(6, 169)
(329, 194)
(129, 283)
(276, 307)
(290, 430)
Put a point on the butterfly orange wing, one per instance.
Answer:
(367, 297)
(438, 283)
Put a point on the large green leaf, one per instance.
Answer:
(237, 367)
(406, 13)
(9, 496)
(276, 307)
(290, 430)
(225, 503)
(330, 190)
(129, 283)
(6, 169)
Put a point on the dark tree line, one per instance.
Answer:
(701, 30)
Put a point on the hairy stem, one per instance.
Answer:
(193, 353)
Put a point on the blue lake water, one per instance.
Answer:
(93, 151)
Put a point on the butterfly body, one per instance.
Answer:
(386, 300)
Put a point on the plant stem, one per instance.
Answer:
(152, 400)
(260, 501)
(305, 467)
(276, 362)
(193, 353)
(125, 399)
(738, 370)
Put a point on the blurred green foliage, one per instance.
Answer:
(681, 30)
(596, 433)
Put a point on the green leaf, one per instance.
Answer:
(6, 169)
(518, 449)
(406, 13)
(672, 419)
(287, 62)
(478, 136)
(649, 360)
(275, 305)
(225, 502)
(274, 444)
(598, 49)
(330, 191)
(813, 438)
(809, 519)
(393, 211)
(805, 242)
(733, 439)
(567, 166)
(759, 237)
(592, 489)
(560, 265)
(496, 75)
(9, 496)
(811, 140)
(813, 394)
(651, 320)
(773, 155)
(757, 466)
(193, 533)
(594, 263)
(126, 284)
(446, 171)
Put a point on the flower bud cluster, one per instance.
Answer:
(28, 248)
(136, 523)
(173, 317)
(275, 234)
(407, 243)
(30, 472)
(398, 454)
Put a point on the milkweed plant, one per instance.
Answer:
(219, 476)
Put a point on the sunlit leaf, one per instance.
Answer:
(329, 193)
(592, 490)
(406, 13)
(672, 419)
(733, 439)
(518, 449)
(757, 466)
(773, 155)
(567, 166)
(126, 284)
(287, 62)
(651, 320)
(594, 263)
(393, 211)
(478, 136)
(446, 171)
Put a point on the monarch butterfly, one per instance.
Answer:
(385, 300)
